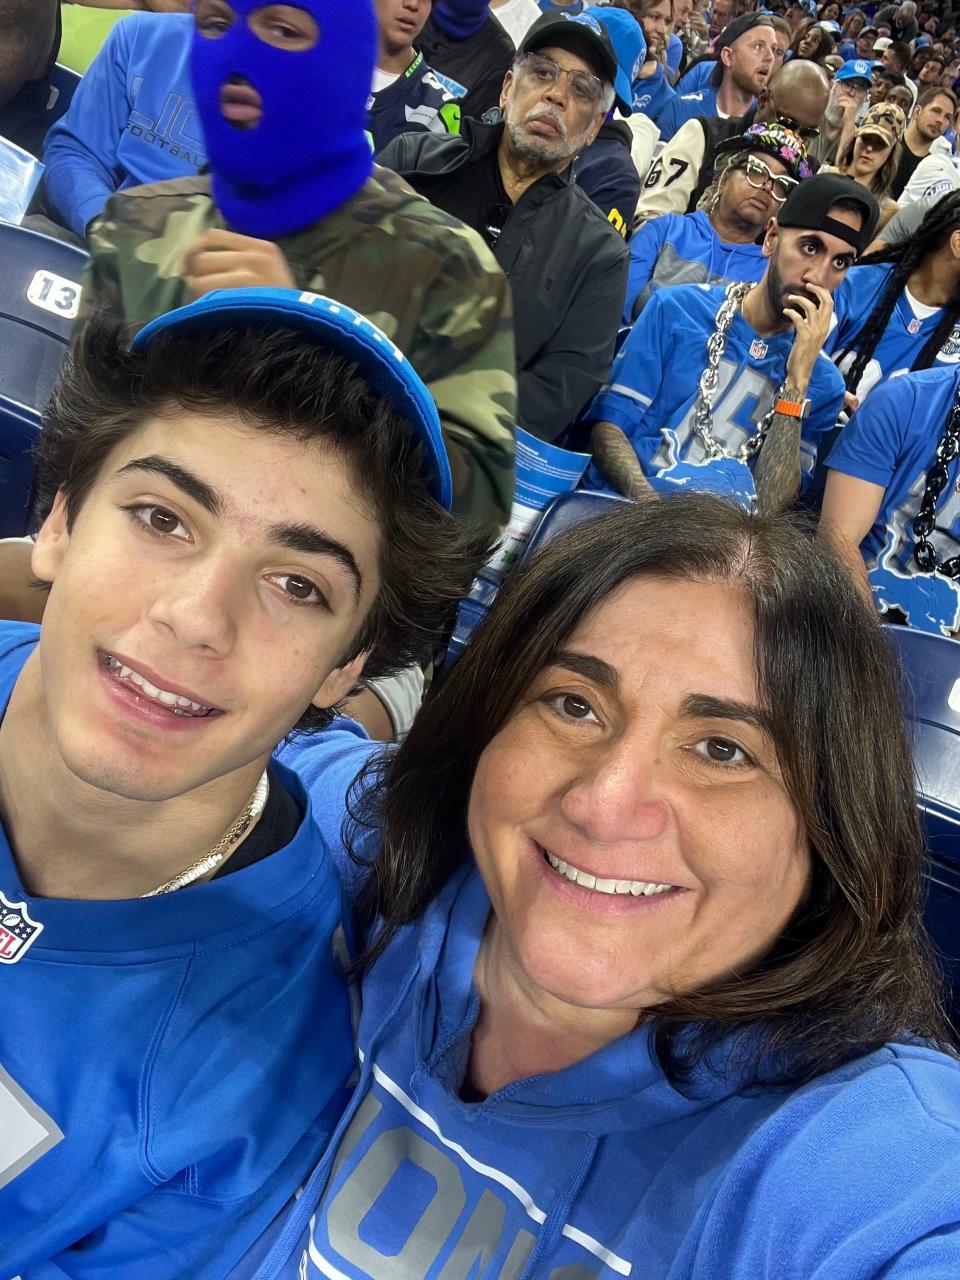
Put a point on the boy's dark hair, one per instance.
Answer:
(280, 382)
(852, 968)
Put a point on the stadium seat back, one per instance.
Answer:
(566, 511)
(39, 300)
(932, 668)
(63, 81)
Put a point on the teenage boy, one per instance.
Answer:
(241, 513)
(714, 380)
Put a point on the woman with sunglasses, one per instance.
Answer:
(717, 244)
(872, 156)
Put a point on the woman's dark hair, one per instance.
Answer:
(279, 382)
(824, 48)
(933, 233)
(851, 969)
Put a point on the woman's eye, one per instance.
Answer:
(301, 590)
(721, 751)
(157, 520)
(570, 706)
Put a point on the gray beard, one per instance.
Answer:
(539, 153)
(833, 114)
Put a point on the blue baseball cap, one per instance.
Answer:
(337, 327)
(856, 69)
(630, 46)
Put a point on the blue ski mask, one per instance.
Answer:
(308, 154)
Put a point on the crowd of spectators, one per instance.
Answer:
(349, 264)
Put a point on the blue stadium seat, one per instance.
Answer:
(39, 298)
(566, 511)
(932, 668)
(64, 81)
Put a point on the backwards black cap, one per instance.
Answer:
(739, 27)
(808, 206)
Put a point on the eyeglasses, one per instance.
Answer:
(854, 88)
(759, 175)
(805, 132)
(586, 88)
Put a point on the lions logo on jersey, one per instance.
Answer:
(17, 930)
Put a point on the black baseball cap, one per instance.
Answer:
(739, 27)
(808, 204)
(582, 30)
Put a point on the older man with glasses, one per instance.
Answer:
(513, 182)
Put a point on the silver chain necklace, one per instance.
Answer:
(710, 381)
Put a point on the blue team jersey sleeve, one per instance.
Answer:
(645, 248)
(635, 377)
(826, 393)
(328, 765)
(871, 442)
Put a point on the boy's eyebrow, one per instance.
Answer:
(293, 537)
(191, 484)
(314, 542)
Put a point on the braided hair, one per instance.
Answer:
(934, 232)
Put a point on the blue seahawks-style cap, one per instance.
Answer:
(856, 69)
(630, 46)
(341, 329)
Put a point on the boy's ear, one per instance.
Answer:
(340, 682)
(51, 541)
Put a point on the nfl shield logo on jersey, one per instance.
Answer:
(17, 930)
(758, 349)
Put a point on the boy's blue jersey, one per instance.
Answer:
(685, 106)
(892, 441)
(683, 248)
(170, 1067)
(655, 379)
(904, 337)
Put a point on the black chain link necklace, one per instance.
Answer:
(924, 552)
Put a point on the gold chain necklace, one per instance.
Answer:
(213, 857)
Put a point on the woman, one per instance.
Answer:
(644, 995)
(812, 43)
(872, 156)
(652, 89)
(829, 12)
(718, 244)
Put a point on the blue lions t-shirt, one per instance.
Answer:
(892, 441)
(904, 337)
(683, 248)
(654, 384)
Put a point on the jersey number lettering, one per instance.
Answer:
(26, 1131)
(678, 166)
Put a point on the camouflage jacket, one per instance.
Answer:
(429, 282)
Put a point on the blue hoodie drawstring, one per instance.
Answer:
(559, 1211)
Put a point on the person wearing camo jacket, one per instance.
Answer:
(294, 199)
